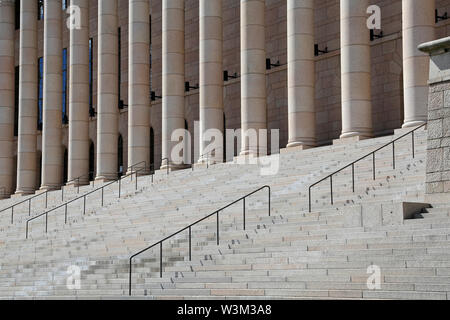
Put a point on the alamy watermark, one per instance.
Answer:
(73, 281)
(74, 19)
(374, 21)
(256, 142)
(374, 280)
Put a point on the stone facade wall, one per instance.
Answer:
(387, 73)
(438, 157)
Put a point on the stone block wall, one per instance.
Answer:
(438, 158)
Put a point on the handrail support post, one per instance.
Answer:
(160, 259)
(190, 244)
(244, 213)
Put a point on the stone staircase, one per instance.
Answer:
(293, 254)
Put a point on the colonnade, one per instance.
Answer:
(418, 27)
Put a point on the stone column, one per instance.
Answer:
(172, 76)
(139, 83)
(253, 74)
(52, 157)
(7, 76)
(28, 99)
(79, 96)
(355, 70)
(211, 77)
(418, 27)
(108, 91)
(301, 70)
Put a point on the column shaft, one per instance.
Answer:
(211, 78)
(79, 96)
(52, 158)
(301, 73)
(253, 75)
(108, 91)
(173, 76)
(418, 27)
(355, 70)
(139, 83)
(28, 99)
(7, 76)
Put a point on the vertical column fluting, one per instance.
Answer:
(52, 157)
(28, 99)
(7, 76)
(79, 96)
(301, 74)
(355, 70)
(108, 91)
(139, 84)
(211, 77)
(173, 76)
(253, 76)
(418, 27)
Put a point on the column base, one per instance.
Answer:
(350, 138)
(141, 173)
(48, 188)
(413, 123)
(249, 158)
(74, 184)
(254, 153)
(103, 179)
(174, 167)
(211, 161)
(296, 146)
(20, 193)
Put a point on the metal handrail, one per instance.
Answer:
(352, 165)
(78, 183)
(119, 180)
(189, 227)
(207, 154)
(29, 204)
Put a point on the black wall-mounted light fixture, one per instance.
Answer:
(188, 87)
(374, 36)
(318, 52)
(438, 17)
(153, 96)
(227, 76)
(92, 112)
(269, 64)
(122, 105)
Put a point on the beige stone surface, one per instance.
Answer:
(26, 149)
(139, 84)
(253, 75)
(108, 95)
(211, 78)
(78, 148)
(418, 27)
(355, 70)
(52, 155)
(301, 73)
(6, 98)
(173, 76)
(386, 80)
